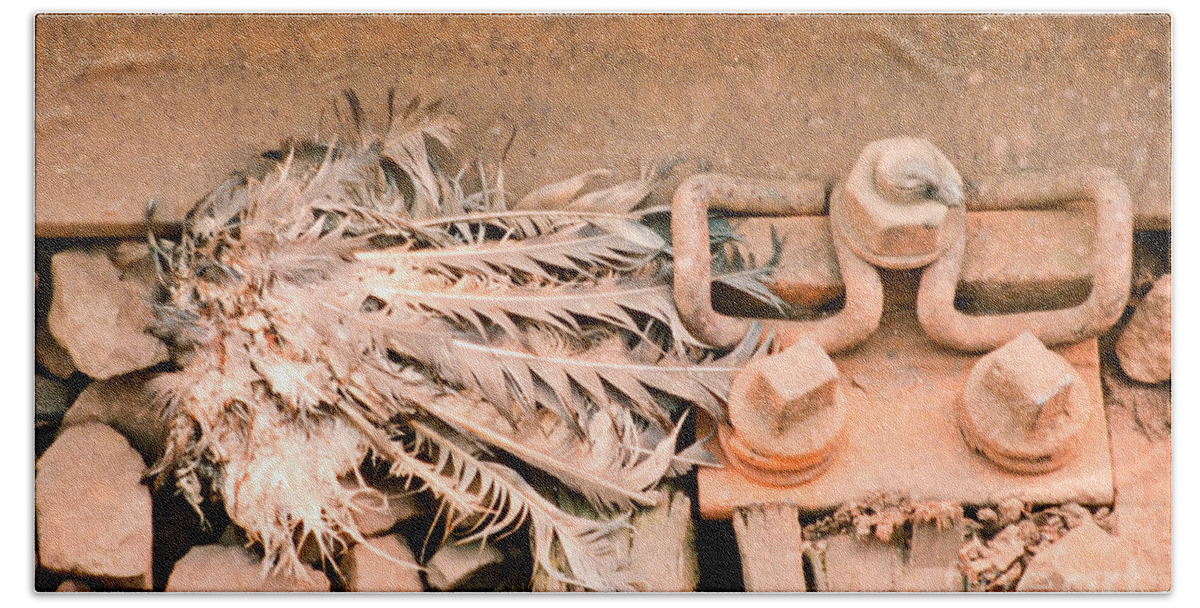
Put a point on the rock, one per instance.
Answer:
(663, 554)
(99, 318)
(1142, 513)
(366, 570)
(1144, 348)
(122, 403)
(1086, 559)
(234, 569)
(50, 353)
(73, 586)
(93, 514)
(131, 254)
(51, 399)
(462, 567)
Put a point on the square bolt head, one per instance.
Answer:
(1034, 382)
(791, 385)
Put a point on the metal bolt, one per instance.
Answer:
(895, 202)
(787, 415)
(1024, 407)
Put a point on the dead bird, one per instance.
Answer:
(350, 301)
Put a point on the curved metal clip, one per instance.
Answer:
(693, 272)
(1108, 199)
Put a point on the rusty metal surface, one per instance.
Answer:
(693, 275)
(1048, 267)
(903, 437)
(131, 108)
(1107, 201)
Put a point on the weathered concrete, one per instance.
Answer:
(770, 542)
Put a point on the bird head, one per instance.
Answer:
(896, 201)
(910, 170)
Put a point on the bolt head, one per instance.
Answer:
(789, 404)
(1024, 407)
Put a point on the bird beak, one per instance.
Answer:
(951, 194)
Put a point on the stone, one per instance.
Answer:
(460, 567)
(51, 399)
(93, 514)
(50, 353)
(663, 554)
(366, 569)
(1142, 510)
(1144, 348)
(99, 318)
(234, 569)
(1086, 559)
(73, 586)
(130, 253)
(124, 404)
